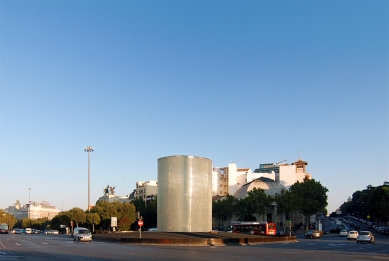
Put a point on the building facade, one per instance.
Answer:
(34, 210)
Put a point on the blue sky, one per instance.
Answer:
(245, 81)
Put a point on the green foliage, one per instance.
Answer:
(223, 209)
(258, 202)
(243, 211)
(287, 202)
(310, 196)
(107, 210)
(371, 202)
(25, 222)
(124, 223)
(93, 218)
(7, 219)
(150, 214)
(77, 215)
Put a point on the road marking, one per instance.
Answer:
(17, 244)
(45, 243)
(2, 245)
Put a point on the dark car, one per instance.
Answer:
(312, 234)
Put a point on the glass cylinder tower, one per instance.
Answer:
(184, 202)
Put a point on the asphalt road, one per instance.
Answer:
(62, 247)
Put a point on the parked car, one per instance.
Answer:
(343, 233)
(82, 234)
(312, 234)
(352, 235)
(365, 236)
(153, 229)
(54, 232)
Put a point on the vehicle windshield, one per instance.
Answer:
(364, 233)
(83, 232)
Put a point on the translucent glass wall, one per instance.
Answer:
(184, 194)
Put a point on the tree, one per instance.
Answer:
(124, 223)
(77, 215)
(243, 210)
(26, 222)
(94, 219)
(258, 201)
(287, 203)
(312, 197)
(107, 210)
(7, 219)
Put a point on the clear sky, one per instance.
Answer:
(245, 81)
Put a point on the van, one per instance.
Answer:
(28, 231)
(81, 234)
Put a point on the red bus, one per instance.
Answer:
(255, 228)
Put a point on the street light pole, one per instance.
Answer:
(29, 202)
(89, 149)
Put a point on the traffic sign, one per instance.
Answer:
(140, 223)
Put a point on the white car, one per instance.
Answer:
(82, 234)
(352, 235)
(365, 236)
(343, 233)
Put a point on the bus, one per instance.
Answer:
(3, 228)
(254, 228)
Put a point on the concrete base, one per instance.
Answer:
(195, 239)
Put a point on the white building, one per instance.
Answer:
(34, 210)
(228, 180)
(146, 191)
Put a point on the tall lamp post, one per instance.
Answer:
(89, 149)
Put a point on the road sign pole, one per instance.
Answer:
(140, 224)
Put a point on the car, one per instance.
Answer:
(365, 236)
(343, 233)
(28, 230)
(47, 231)
(352, 235)
(82, 234)
(153, 229)
(312, 234)
(54, 232)
(17, 231)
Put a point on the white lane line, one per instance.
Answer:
(17, 244)
(45, 243)
(2, 245)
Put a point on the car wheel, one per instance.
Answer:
(78, 239)
(74, 239)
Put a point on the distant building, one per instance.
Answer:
(147, 191)
(227, 180)
(34, 210)
(285, 174)
(110, 196)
